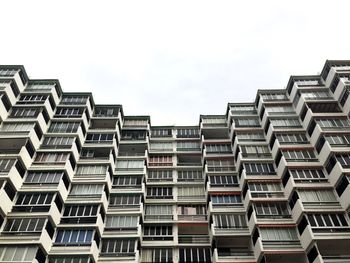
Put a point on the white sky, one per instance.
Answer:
(173, 60)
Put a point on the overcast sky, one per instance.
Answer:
(173, 60)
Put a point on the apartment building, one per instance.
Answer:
(266, 182)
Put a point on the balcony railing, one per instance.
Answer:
(192, 217)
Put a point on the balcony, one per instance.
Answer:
(329, 240)
(132, 257)
(159, 218)
(192, 218)
(75, 249)
(42, 238)
(277, 251)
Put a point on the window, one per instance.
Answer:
(187, 133)
(133, 135)
(74, 100)
(161, 175)
(221, 121)
(64, 127)
(6, 165)
(184, 176)
(32, 202)
(41, 86)
(156, 255)
(20, 225)
(160, 192)
(130, 164)
(225, 200)
(161, 146)
(17, 126)
(259, 168)
(189, 210)
(43, 177)
(250, 136)
(317, 196)
(70, 259)
(135, 123)
(333, 123)
(255, 150)
(220, 165)
(160, 161)
(247, 122)
(226, 221)
(99, 138)
(188, 146)
(272, 110)
(272, 210)
(69, 112)
(338, 140)
(218, 148)
(124, 200)
(92, 170)
(242, 109)
(75, 214)
(297, 138)
(265, 190)
(332, 221)
(52, 158)
(119, 247)
(156, 212)
(308, 82)
(279, 234)
(343, 159)
(24, 112)
(74, 237)
(87, 189)
(281, 123)
(326, 107)
(157, 232)
(223, 180)
(32, 99)
(8, 72)
(58, 142)
(20, 253)
(106, 112)
(316, 95)
(308, 174)
(122, 222)
(299, 155)
(127, 181)
(194, 255)
(269, 97)
(161, 133)
(190, 192)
